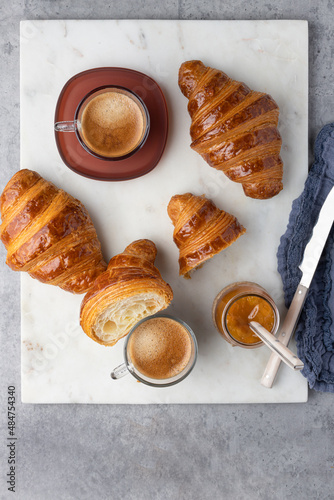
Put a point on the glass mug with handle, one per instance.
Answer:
(159, 351)
(110, 122)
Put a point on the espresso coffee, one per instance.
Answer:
(113, 124)
(160, 348)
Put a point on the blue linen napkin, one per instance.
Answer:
(315, 331)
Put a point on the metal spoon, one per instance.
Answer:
(276, 346)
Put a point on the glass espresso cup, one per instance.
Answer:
(159, 351)
(110, 122)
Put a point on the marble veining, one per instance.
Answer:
(59, 363)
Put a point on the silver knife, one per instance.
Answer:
(308, 266)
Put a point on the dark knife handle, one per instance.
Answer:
(285, 335)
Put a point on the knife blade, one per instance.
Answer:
(312, 253)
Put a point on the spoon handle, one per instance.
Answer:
(284, 353)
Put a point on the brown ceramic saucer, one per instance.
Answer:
(144, 160)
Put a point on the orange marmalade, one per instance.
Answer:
(238, 304)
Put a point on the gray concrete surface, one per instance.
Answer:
(160, 452)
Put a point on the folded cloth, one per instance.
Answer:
(315, 330)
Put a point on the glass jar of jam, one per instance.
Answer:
(238, 304)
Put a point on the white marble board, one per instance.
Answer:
(60, 364)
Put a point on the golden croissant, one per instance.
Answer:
(234, 128)
(49, 234)
(130, 289)
(201, 230)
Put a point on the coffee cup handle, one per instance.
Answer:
(119, 372)
(70, 126)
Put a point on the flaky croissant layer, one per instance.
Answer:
(201, 230)
(130, 289)
(234, 128)
(49, 234)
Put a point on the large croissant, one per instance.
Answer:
(49, 234)
(131, 289)
(201, 230)
(234, 128)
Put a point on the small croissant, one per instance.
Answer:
(49, 234)
(234, 128)
(201, 230)
(129, 290)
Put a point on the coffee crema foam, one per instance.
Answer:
(160, 348)
(112, 124)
